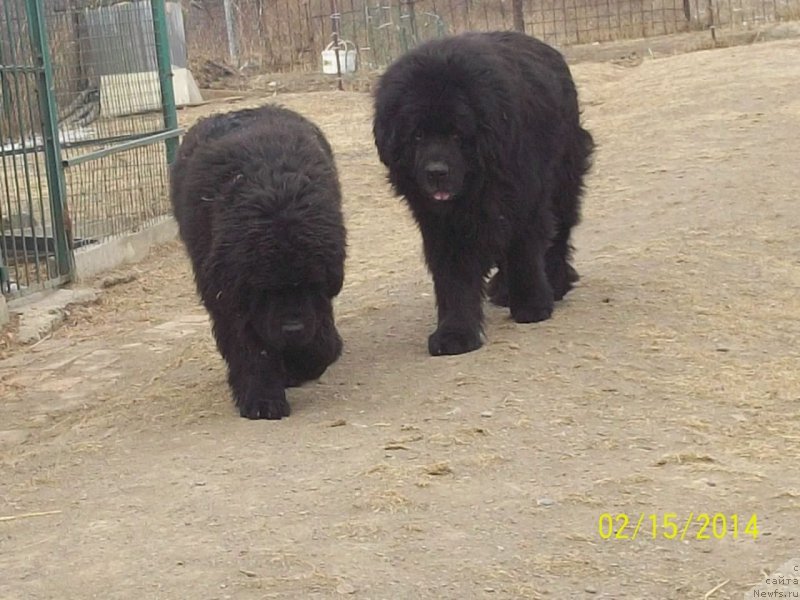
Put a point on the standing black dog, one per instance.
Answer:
(257, 198)
(481, 133)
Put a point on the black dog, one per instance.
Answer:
(481, 133)
(258, 203)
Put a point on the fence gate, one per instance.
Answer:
(34, 250)
(112, 64)
(88, 125)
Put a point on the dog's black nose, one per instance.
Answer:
(436, 171)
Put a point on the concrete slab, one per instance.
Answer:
(4, 314)
(115, 100)
(134, 247)
(40, 313)
(13, 437)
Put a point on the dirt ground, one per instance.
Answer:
(667, 382)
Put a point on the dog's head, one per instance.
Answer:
(441, 122)
(296, 268)
(290, 316)
(443, 157)
(279, 250)
(430, 148)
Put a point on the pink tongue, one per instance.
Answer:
(441, 196)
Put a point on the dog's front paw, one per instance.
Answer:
(260, 402)
(531, 314)
(448, 342)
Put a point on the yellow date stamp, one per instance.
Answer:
(669, 526)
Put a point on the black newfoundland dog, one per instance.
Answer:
(258, 203)
(481, 133)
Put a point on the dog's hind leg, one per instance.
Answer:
(530, 296)
(498, 287)
(560, 273)
(565, 206)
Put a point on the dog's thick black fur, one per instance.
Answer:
(481, 134)
(258, 202)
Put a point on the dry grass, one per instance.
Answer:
(789, 12)
(16, 110)
(300, 574)
(280, 36)
(389, 500)
(46, 513)
(636, 379)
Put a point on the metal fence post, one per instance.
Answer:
(164, 61)
(336, 18)
(52, 147)
(519, 15)
(230, 28)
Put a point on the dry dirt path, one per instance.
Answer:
(667, 382)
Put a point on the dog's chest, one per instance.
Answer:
(491, 232)
(496, 226)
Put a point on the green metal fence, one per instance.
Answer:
(33, 236)
(381, 31)
(87, 126)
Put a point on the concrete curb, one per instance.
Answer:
(41, 312)
(130, 248)
(4, 314)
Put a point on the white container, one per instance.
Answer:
(347, 58)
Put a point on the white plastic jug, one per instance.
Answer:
(347, 58)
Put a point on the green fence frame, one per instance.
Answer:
(30, 173)
(117, 176)
(52, 149)
(35, 174)
(158, 8)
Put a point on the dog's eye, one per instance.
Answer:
(455, 137)
(418, 137)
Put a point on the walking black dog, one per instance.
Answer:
(258, 203)
(481, 134)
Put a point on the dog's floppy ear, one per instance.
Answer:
(386, 123)
(335, 279)
(384, 131)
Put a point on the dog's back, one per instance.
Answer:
(258, 203)
(267, 155)
(219, 126)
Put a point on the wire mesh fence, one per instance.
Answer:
(30, 253)
(108, 123)
(289, 35)
(574, 21)
(744, 14)
(107, 89)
